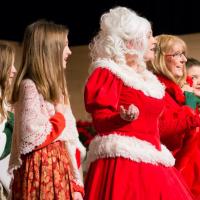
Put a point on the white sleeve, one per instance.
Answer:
(3, 139)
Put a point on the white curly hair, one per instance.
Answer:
(117, 27)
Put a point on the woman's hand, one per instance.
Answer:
(78, 196)
(129, 114)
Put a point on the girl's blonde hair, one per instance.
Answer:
(7, 56)
(42, 60)
(165, 43)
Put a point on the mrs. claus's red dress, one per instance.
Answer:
(126, 159)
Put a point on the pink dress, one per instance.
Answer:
(126, 159)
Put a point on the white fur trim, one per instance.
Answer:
(132, 148)
(145, 80)
(3, 140)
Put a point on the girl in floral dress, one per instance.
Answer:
(42, 162)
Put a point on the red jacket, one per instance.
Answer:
(177, 119)
(179, 133)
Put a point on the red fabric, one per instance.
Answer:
(173, 90)
(86, 132)
(176, 120)
(45, 174)
(78, 188)
(78, 157)
(58, 125)
(105, 93)
(178, 133)
(189, 80)
(119, 178)
(96, 99)
(123, 179)
(188, 162)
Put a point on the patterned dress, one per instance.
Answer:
(41, 163)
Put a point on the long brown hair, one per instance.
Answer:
(42, 60)
(7, 55)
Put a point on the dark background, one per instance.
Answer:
(82, 17)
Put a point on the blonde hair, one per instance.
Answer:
(7, 56)
(42, 60)
(165, 43)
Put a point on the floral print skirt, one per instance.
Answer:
(44, 174)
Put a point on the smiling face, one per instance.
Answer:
(170, 59)
(175, 60)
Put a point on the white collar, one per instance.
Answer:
(145, 81)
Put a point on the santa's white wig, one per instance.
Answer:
(118, 27)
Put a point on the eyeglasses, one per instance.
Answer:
(177, 54)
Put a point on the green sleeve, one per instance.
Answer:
(8, 131)
(190, 99)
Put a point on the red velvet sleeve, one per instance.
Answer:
(175, 122)
(58, 125)
(102, 92)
